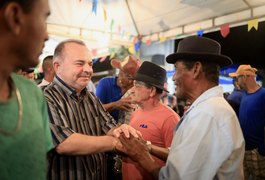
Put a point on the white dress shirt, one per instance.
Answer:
(208, 143)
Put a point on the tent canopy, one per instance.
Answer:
(116, 22)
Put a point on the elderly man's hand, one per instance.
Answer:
(135, 148)
(125, 104)
(126, 130)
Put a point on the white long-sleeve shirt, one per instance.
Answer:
(208, 144)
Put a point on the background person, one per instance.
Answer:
(153, 119)
(110, 89)
(252, 121)
(48, 71)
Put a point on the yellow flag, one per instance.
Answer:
(162, 39)
(253, 23)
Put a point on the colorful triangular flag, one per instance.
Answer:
(253, 23)
(105, 14)
(200, 32)
(225, 30)
(94, 6)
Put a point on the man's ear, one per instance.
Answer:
(56, 66)
(13, 15)
(197, 69)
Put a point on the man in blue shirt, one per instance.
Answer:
(252, 121)
(111, 89)
(235, 97)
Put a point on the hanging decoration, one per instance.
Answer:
(254, 23)
(94, 6)
(131, 49)
(105, 15)
(137, 46)
(162, 38)
(225, 30)
(200, 32)
(149, 41)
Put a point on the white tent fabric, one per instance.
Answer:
(117, 21)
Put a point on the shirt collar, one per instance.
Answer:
(70, 91)
(212, 92)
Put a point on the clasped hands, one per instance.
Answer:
(129, 141)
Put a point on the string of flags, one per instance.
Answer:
(137, 40)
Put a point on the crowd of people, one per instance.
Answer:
(61, 129)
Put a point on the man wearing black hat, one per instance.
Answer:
(208, 142)
(153, 119)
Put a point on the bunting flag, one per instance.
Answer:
(162, 39)
(200, 32)
(137, 46)
(131, 49)
(105, 15)
(149, 41)
(253, 23)
(225, 30)
(94, 6)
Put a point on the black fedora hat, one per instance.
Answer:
(199, 48)
(152, 74)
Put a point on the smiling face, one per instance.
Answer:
(182, 79)
(75, 66)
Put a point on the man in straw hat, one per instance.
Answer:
(111, 89)
(153, 119)
(208, 142)
(252, 121)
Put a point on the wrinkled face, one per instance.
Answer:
(123, 80)
(76, 66)
(33, 33)
(182, 79)
(140, 93)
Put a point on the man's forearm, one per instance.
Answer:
(150, 166)
(79, 144)
(109, 107)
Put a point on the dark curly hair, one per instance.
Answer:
(25, 4)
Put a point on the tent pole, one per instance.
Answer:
(132, 17)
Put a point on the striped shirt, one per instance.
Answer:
(71, 113)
